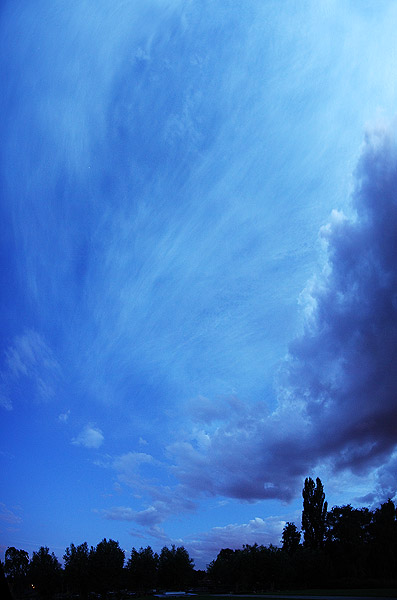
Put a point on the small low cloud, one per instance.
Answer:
(89, 437)
(170, 502)
(64, 417)
(149, 517)
(128, 466)
(118, 513)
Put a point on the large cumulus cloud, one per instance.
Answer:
(337, 394)
(344, 364)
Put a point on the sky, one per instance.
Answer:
(198, 216)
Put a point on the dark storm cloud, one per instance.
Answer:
(337, 396)
(344, 365)
(248, 455)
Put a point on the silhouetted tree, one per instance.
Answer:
(222, 571)
(347, 540)
(314, 513)
(142, 569)
(175, 568)
(106, 566)
(16, 568)
(260, 567)
(383, 530)
(291, 538)
(252, 568)
(45, 572)
(77, 568)
(5, 593)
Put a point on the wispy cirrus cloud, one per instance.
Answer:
(9, 516)
(30, 361)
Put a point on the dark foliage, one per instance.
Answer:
(253, 568)
(291, 538)
(142, 570)
(44, 573)
(16, 569)
(106, 563)
(5, 593)
(77, 569)
(175, 568)
(313, 514)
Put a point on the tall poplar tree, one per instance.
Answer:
(314, 513)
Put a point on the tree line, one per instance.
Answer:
(97, 569)
(344, 547)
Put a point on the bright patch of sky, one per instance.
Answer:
(183, 323)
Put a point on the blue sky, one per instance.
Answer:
(198, 220)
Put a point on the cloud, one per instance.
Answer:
(161, 500)
(170, 501)
(337, 389)
(386, 481)
(245, 456)
(147, 518)
(30, 361)
(5, 400)
(64, 417)
(119, 513)
(128, 467)
(8, 516)
(90, 437)
(344, 363)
